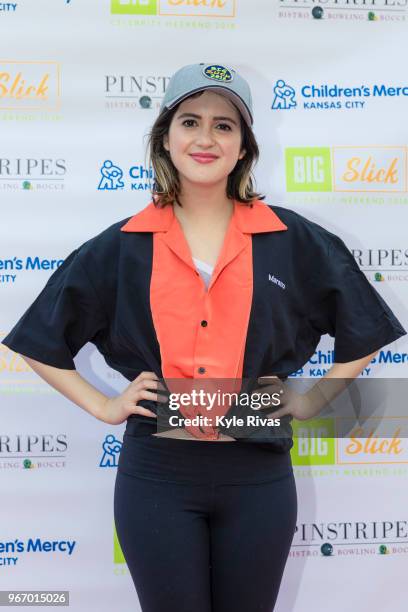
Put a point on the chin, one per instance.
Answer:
(206, 182)
(204, 176)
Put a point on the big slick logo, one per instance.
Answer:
(346, 169)
(320, 442)
(190, 8)
(29, 85)
(120, 566)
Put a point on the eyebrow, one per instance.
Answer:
(218, 118)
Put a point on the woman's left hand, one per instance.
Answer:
(297, 405)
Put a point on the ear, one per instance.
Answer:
(242, 154)
(166, 142)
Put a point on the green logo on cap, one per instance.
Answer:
(218, 73)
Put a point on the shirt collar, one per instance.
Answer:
(249, 220)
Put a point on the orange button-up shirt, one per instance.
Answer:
(202, 332)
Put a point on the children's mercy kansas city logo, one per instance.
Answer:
(275, 280)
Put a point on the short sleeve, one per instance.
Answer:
(64, 317)
(350, 309)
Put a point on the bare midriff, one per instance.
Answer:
(182, 434)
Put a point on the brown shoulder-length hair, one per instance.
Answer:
(166, 183)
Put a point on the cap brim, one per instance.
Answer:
(222, 90)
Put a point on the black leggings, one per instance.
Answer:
(204, 526)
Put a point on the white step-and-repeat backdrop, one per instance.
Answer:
(80, 84)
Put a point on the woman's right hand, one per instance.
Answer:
(117, 409)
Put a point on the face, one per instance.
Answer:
(204, 139)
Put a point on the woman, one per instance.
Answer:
(205, 284)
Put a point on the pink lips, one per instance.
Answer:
(204, 158)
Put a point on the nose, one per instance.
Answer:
(205, 136)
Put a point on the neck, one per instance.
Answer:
(203, 203)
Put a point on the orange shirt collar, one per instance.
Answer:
(249, 220)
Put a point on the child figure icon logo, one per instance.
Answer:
(284, 96)
(111, 177)
(111, 449)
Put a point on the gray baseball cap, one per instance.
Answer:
(197, 77)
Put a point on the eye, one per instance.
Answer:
(225, 125)
(188, 121)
